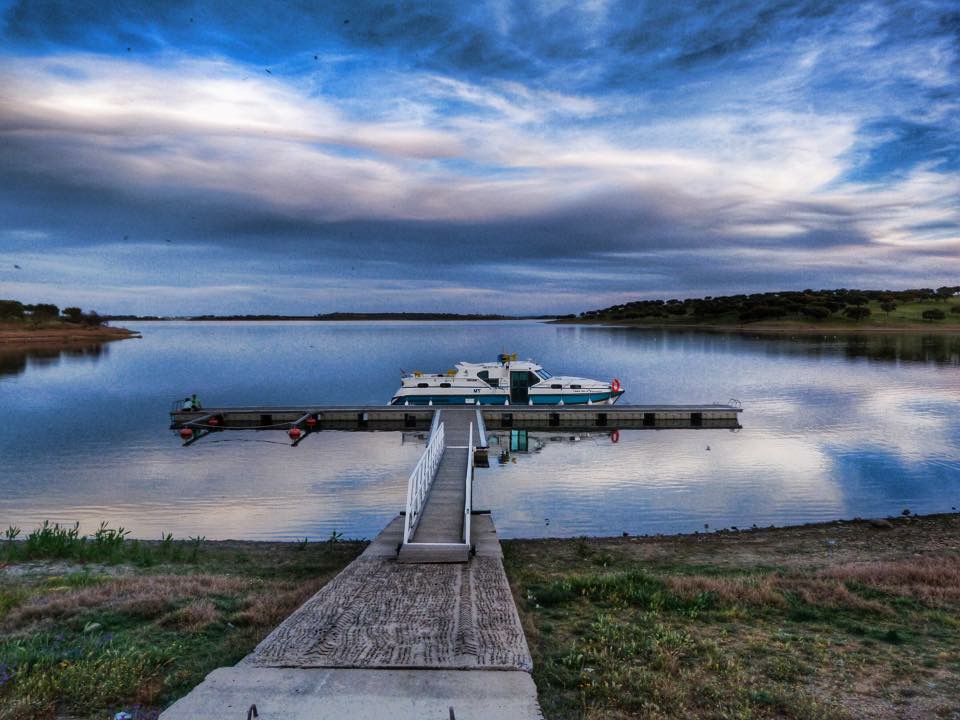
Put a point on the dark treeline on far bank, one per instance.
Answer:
(346, 316)
(16, 311)
(924, 304)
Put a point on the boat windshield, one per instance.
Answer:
(544, 374)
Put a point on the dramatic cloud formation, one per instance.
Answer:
(507, 157)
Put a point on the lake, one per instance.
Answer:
(833, 427)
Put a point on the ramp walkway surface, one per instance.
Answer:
(441, 520)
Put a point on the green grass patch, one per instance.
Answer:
(88, 641)
(769, 625)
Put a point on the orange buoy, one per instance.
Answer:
(186, 433)
(295, 433)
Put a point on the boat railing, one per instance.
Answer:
(468, 494)
(418, 486)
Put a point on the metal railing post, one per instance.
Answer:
(468, 494)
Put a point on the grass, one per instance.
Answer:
(757, 624)
(93, 626)
(841, 620)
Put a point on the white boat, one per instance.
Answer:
(506, 382)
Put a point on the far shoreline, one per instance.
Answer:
(17, 336)
(781, 328)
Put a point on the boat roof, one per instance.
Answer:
(518, 364)
(474, 368)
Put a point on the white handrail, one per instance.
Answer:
(418, 486)
(468, 495)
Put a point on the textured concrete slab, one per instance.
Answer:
(336, 694)
(378, 613)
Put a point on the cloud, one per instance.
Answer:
(482, 152)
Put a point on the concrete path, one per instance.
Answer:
(387, 640)
(324, 694)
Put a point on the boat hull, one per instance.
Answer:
(596, 398)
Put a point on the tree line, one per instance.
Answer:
(43, 312)
(808, 304)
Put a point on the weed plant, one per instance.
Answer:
(52, 541)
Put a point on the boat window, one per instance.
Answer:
(574, 387)
(444, 384)
(485, 376)
(544, 374)
(533, 378)
(423, 385)
(556, 386)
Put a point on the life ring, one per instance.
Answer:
(615, 436)
(615, 385)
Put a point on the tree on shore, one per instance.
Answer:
(857, 313)
(888, 307)
(11, 310)
(73, 314)
(44, 311)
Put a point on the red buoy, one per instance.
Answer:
(213, 421)
(295, 433)
(186, 433)
(615, 436)
(311, 421)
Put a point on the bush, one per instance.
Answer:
(73, 314)
(44, 310)
(932, 315)
(816, 312)
(955, 309)
(857, 313)
(11, 309)
(92, 318)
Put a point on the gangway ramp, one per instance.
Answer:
(439, 494)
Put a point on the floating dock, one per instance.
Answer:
(420, 417)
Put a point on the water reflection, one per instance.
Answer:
(16, 362)
(940, 349)
(833, 427)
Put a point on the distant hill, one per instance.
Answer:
(346, 316)
(923, 307)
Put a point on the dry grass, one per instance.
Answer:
(832, 594)
(269, 609)
(148, 596)
(194, 617)
(758, 590)
(933, 581)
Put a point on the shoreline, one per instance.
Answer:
(18, 337)
(837, 619)
(728, 534)
(783, 328)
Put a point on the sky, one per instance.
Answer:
(529, 157)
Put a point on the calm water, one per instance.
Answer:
(833, 427)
